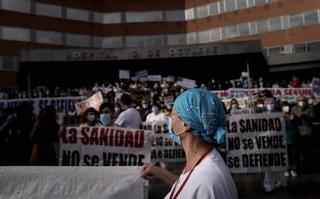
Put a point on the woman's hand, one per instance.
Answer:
(150, 172)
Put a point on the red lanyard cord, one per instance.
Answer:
(172, 196)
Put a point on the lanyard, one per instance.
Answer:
(172, 196)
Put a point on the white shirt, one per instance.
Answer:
(129, 118)
(152, 117)
(211, 179)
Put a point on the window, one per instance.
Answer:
(259, 2)
(221, 5)
(204, 36)
(97, 17)
(300, 48)
(189, 14)
(296, 20)
(17, 34)
(262, 26)
(131, 41)
(111, 18)
(244, 29)
(313, 46)
(179, 39)
(158, 40)
(202, 11)
(112, 42)
(230, 5)
(216, 34)
(191, 38)
(274, 51)
(241, 4)
(143, 16)
(77, 14)
(48, 10)
(48, 37)
(311, 17)
(175, 15)
(214, 8)
(275, 23)
(232, 31)
(17, 5)
(78, 40)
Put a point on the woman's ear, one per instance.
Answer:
(186, 127)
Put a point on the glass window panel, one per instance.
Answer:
(311, 17)
(143, 16)
(48, 37)
(176, 39)
(300, 48)
(244, 29)
(48, 10)
(214, 8)
(17, 5)
(230, 5)
(216, 34)
(259, 2)
(313, 46)
(274, 51)
(232, 31)
(97, 42)
(111, 18)
(97, 17)
(158, 40)
(112, 42)
(78, 14)
(296, 20)
(204, 36)
(262, 26)
(241, 4)
(18, 34)
(175, 15)
(202, 11)
(275, 23)
(190, 14)
(131, 41)
(191, 38)
(78, 40)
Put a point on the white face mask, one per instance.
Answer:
(310, 101)
(285, 109)
(301, 103)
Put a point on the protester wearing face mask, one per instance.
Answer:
(144, 112)
(273, 179)
(156, 114)
(106, 114)
(91, 118)
(197, 121)
(291, 134)
(305, 115)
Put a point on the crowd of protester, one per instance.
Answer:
(132, 86)
(28, 139)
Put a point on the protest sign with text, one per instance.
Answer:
(104, 146)
(256, 143)
(163, 148)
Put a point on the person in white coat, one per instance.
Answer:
(197, 121)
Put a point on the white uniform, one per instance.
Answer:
(129, 118)
(154, 118)
(211, 179)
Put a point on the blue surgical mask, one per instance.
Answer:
(155, 109)
(91, 118)
(105, 119)
(145, 106)
(173, 136)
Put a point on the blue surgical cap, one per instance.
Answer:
(203, 112)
